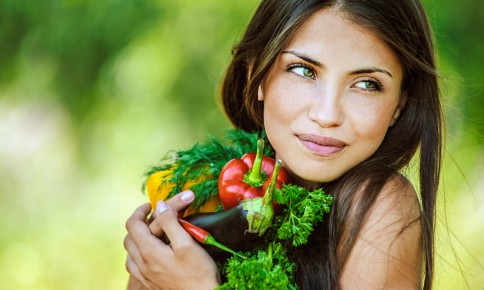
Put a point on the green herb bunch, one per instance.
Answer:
(303, 210)
(268, 264)
(206, 158)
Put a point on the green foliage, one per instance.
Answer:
(92, 91)
(268, 265)
(304, 210)
(75, 38)
(267, 270)
(202, 163)
(461, 49)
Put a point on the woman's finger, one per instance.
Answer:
(139, 214)
(136, 223)
(181, 200)
(140, 233)
(154, 226)
(132, 250)
(133, 270)
(167, 221)
(177, 203)
(135, 284)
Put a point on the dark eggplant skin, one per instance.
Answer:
(228, 227)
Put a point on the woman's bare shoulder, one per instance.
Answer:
(397, 198)
(387, 253)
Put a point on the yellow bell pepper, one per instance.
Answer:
(157, 188)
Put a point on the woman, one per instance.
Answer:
(347, 93)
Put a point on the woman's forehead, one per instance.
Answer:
(328, 35)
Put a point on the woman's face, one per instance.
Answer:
(330, 97)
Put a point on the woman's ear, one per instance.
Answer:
(399, 109)
(260, 94)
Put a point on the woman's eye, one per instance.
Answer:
(369, 85)
(302, 70)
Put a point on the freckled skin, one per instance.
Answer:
(334, 80)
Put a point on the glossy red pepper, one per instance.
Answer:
(248, 177)
(204, 237)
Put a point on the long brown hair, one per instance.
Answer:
(403, 25)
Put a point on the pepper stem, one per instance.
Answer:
(255, 176)
(267, 198)
(210, 240)
(259, 209)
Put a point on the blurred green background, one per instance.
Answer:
(94, 92)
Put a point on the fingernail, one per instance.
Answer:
(187, 196)
(161, 206)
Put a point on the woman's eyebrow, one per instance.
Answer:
(371, 70)
(303, 57)
(355, 72)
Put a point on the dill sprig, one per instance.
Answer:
(201, 164)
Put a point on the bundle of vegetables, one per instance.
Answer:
(236, 196)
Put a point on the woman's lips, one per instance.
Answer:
(320, 145)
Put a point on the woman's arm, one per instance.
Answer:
(388, 251)
(153, 264)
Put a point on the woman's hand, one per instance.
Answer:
(182, 264)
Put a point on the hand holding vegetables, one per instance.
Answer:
(249, 182)
(241, 194)
(160, 266)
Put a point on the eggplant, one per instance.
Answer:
(239, 227)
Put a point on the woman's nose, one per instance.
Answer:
(326, 109)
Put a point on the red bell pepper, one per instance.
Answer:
(248, 177)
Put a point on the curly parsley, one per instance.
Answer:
(304, 209)
(271, 268)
